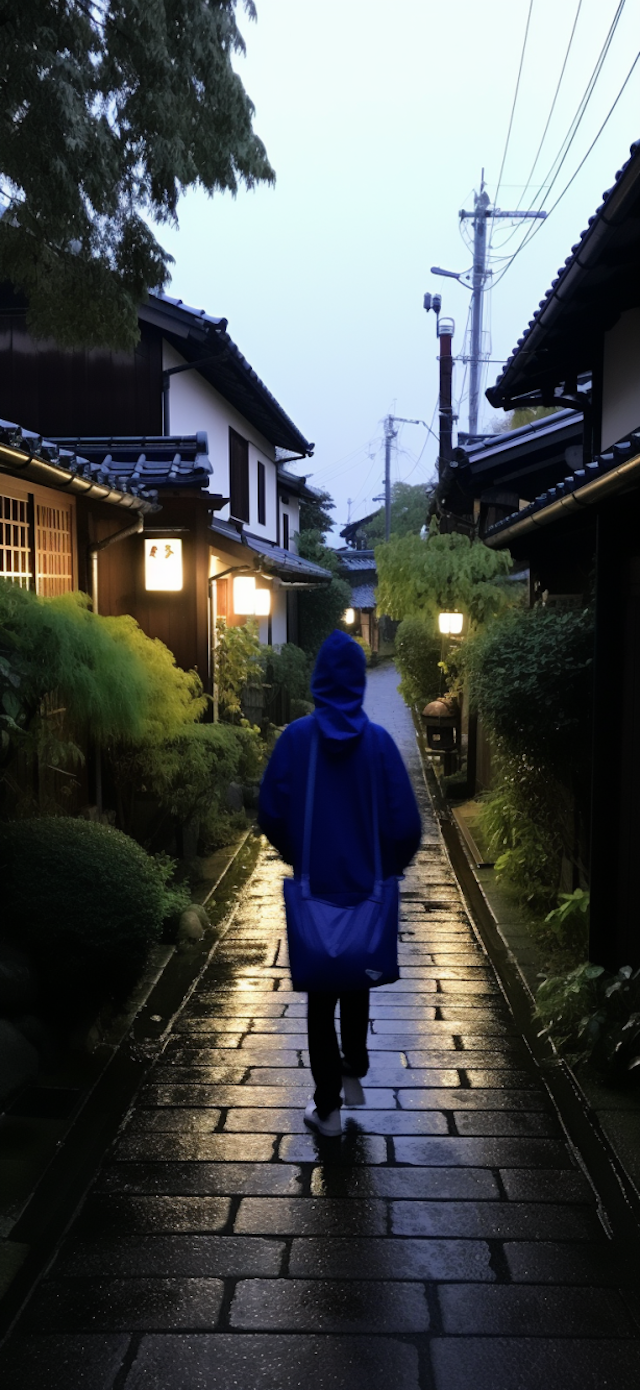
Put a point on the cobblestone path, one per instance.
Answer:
(450, 1240)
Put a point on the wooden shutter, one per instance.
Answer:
(262, 494)
(238, 476)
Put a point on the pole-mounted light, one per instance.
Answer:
(450, 624)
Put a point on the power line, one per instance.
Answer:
(529, 235)
(513, 106)
(553, 105)
(560, 157)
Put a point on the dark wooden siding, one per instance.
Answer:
(53, 391)
(262, 494)
(180, 620)
(238, 476)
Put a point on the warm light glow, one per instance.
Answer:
(263, 603)
(450, 623)
(349, 616)
(163, 564)
(244, 596)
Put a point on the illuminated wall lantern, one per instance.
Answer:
(349, 616)
(263, 603)
(450, 624)
(244, 596)
(163, 564)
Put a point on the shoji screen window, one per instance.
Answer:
(54, 548)
(15, 551)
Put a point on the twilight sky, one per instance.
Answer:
(378, 116)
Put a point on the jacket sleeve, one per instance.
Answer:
(275, 798)
(404, 816)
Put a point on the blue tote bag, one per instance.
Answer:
(339, 948)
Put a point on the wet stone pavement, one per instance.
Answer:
(449, 1240)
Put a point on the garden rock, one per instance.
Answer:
(191, 928)
(234, 800)
(18, 1059)
(17, 989)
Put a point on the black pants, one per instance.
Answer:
(324, 1053)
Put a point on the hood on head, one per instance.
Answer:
(337, 686)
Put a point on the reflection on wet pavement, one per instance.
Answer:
(449, 1239)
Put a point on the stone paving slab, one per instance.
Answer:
(276, 1362)
(450, 1240)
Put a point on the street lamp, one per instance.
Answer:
(450, 624)
(349, 616)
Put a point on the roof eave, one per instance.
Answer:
(510, 388)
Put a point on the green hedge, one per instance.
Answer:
(188, 775)
(418, 652)
(85, 902)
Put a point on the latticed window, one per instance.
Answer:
(54, 550)
(14, 541)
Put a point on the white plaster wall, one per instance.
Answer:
(292, 510)
(278, 616)
(621, 379)
(195, 405)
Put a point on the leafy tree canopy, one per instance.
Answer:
(316, 515)
(409, 503)
(110, 110)
(442, 573)
(322, 609)
(525, 415)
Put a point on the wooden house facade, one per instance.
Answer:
(581, 537)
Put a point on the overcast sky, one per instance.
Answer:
(378, 116)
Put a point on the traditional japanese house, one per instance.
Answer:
(224, 543)
(582, 535)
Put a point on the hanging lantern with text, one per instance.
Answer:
(163, 564)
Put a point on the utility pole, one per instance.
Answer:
(389, 435)
(479, 278)
(477, 281)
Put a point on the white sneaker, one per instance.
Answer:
(352, 1091)
(331, 1127)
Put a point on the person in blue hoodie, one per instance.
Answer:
(342, 855)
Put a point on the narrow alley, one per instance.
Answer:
(450, 1239)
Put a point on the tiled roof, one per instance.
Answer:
(297, 485)
(200, 337)
(597, 281)
(349, 531)
(522, 461)
(47, 461)
(622, 452)
(357, 561)
(284, 564)
(363, 595)
(152, 460)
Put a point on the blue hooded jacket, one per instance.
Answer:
(351, 751)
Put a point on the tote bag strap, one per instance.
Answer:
(377, 886)
(308, 811)
(308, 815)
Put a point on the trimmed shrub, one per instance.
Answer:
(237, 665)
(85, 903)
(188, 775)
(287, 668)
(365, 647)
(418, 654)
